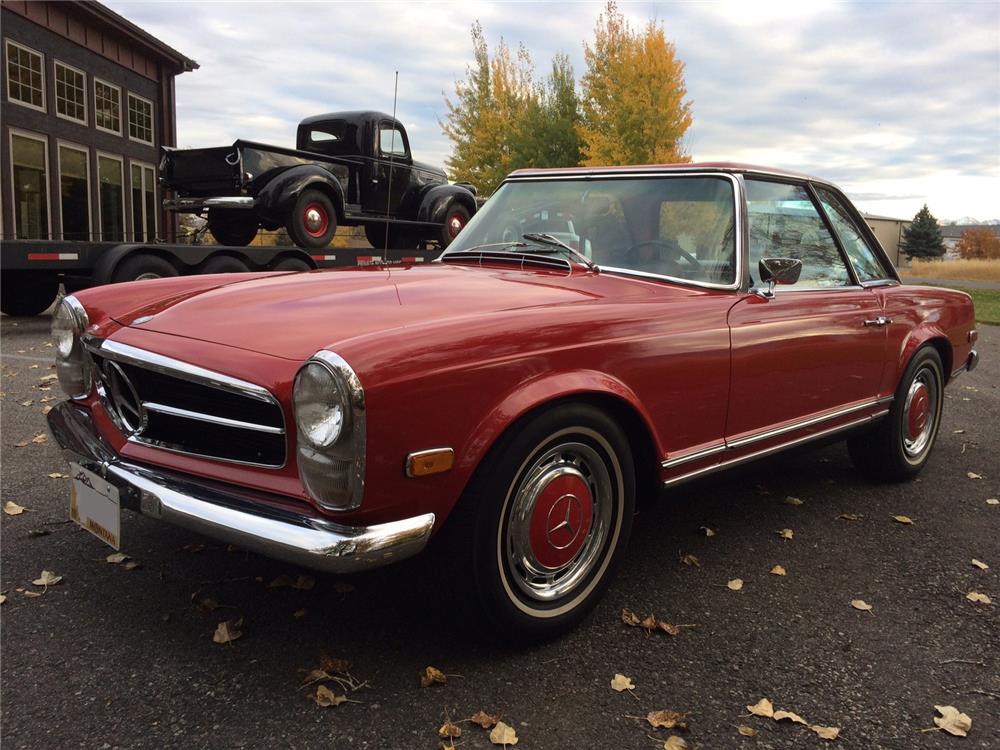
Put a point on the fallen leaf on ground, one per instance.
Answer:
(46, 409)
(47, 378)
(993, 501)
(483, 719)
(315, 675)
(777, 570)
(32, 594)
(826, 733)
(953, 721)
(690, 559)
(902, 519)
(228, 631)
(40, 438)
(861, 604)
(57, 475)
(763, 707)
(29, 402)
(204, 603)
(448, 729)
(735, 585)
(299, 613)
(849, 517)
(746, 731)
(973, 475)
(22, 444)
(132, 565)
(432, 676)
(47, 578)
(957, 432)
(675, 743)
(116, 558)
(328, 664)
(706, 531)
(304, 583)
(783, 715)
(671, 629)
(13, 509)
(3, 598)
(667, 719)
(975, 596)
(980, 564)
(326, 697)
(503, 734)
(630, 618)
(792, 501)
(785, 533)
(621, 682)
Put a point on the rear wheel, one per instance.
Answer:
(143, 267)
(27, 293)
(455, 220)
(898, 448)
(545, 520)
(225, 264)
(234, 227)
(313, 220)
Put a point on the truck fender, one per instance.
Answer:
(278, 196)
(435, 202)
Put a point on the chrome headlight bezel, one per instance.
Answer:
(331, 464)
(74, 366)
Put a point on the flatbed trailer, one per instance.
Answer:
(31, 271)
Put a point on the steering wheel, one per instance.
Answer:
(667, 251)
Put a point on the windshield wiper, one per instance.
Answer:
(512, 243)
(548, 239)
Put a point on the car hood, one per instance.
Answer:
(424, 167)
(293, 316)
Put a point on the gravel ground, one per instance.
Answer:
(112, 657)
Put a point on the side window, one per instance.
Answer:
(866, 263)
(390, 141)
(784, 223)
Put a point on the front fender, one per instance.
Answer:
(435, 202)
(276, 199)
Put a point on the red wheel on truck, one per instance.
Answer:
(315, 219)
(312, 221)
(456, 218)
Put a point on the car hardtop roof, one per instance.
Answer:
(354, 116)
(704, 166)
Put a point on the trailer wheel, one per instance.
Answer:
(455, 220)
(225, 264)
(234, 227)
(398, 238)
(313, 220)
(143, 267)
(291, 264)
(27, 293)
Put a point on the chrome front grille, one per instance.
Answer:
(164, 403)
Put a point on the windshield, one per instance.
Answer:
(679, 226)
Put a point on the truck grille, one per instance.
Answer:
(168, 404)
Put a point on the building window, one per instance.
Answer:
(112, 195)
(140, 119)
(30, 177)
(71, 93)
(25, 81)
(107, 107)
(74, 192)
(143, 202)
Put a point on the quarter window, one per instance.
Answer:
(112, 195)
(784, 223)
(29, 172)
(74, 193)
(25, 82)
(866, 263)
(140, 119)
(107, 107)
(71, 93)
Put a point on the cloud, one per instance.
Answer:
(865, 94)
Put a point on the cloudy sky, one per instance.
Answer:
(898, 102)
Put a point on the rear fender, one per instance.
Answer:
(276, 199)
(435, 202)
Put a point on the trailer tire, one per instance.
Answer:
(398, 238)
(291, 264)
(233, 227)
(28, 293)
(142, 267)
(312, 221)
(225, 264)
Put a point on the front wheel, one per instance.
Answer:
(898, 448)
(313, 220)
(545, 520)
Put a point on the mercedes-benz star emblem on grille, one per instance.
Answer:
(124, 399)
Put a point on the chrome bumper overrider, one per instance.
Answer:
(266, 525)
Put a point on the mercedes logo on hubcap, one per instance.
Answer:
(124, 399)
(564, 522)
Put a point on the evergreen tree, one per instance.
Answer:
(922, 239)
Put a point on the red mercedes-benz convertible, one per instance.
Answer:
(591, 335)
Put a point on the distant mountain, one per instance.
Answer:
(969, 221)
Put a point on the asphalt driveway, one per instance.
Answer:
(117, 657)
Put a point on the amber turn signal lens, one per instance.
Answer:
(424, 463)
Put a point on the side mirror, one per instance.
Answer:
(778, 271)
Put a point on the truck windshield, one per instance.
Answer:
(677, 226)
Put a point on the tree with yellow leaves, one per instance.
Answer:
(633, 101)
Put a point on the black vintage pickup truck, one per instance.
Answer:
(349, 168)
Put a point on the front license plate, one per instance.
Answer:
(93, 503)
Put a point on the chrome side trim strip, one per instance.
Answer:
(174, 411)
(773, 449)
(768, 434)
(705, 453)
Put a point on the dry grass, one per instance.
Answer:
(968, 270)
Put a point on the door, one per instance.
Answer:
(389, 171)
(811, 357)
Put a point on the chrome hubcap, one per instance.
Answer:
(146, 276)
(561, 512)
(920, 413)
(455, 225)
(314, 219)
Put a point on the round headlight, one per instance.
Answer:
(72, 362)
(64, 330)
(320, 405)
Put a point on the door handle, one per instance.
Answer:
(880, 321)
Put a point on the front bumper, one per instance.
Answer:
(268, 525)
